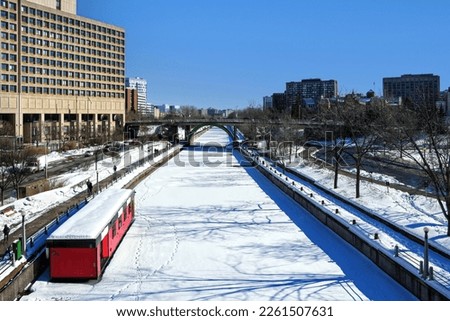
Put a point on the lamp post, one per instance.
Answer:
(96, 169)
(46, 164)
(24, 237)
(425, 254)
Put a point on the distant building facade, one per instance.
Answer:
(308, 92)
(413, 89)
(62, 75)
(279, 102)
(267, 102)
(140, 85)
(131, 100)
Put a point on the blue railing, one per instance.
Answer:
(36, 242)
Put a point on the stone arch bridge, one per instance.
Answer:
(193, 126)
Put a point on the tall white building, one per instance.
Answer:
(141, 86)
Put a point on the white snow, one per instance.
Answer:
(208, 229)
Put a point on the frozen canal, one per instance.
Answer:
(207, 230)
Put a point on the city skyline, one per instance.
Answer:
(230, 54)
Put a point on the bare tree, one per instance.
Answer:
(331, 115)
(18, 169)
(361, 124)
(189, 112)
(423, 125)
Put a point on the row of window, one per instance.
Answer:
(66, 29)
(67, 56)
(67, 39)
(70, 83)
(70, 21)
(8, 15)
(63, 82)
(12, 6)
(71, 74)
(8, 4)
(47, 71)
(11, 36)
(72, 65)
(60, 91)
(73, 51)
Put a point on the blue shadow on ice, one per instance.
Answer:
(370, 280)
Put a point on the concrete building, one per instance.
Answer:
(140, 85)
(413, 89)
(131, 101)
(267, 102)
(279, 102)
(62, 75)
(316, 89)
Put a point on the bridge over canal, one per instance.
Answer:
(231, 126)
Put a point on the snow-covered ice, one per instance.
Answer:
(209, 229)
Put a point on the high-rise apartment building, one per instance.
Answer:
(315, 89)
(413, 89)
(279, 102)
(267, 102)
(62, 75)
(141, 87)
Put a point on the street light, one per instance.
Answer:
(24, 237)
(46, 164)
(96, 170)
(425, 254)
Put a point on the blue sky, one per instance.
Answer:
(231, 53)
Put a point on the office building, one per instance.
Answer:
(413, 90)
(62, 75)
(141, 87)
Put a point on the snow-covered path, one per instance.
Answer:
(206, 230)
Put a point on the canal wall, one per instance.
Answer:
(403, 273)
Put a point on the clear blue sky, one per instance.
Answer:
(231, 53)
